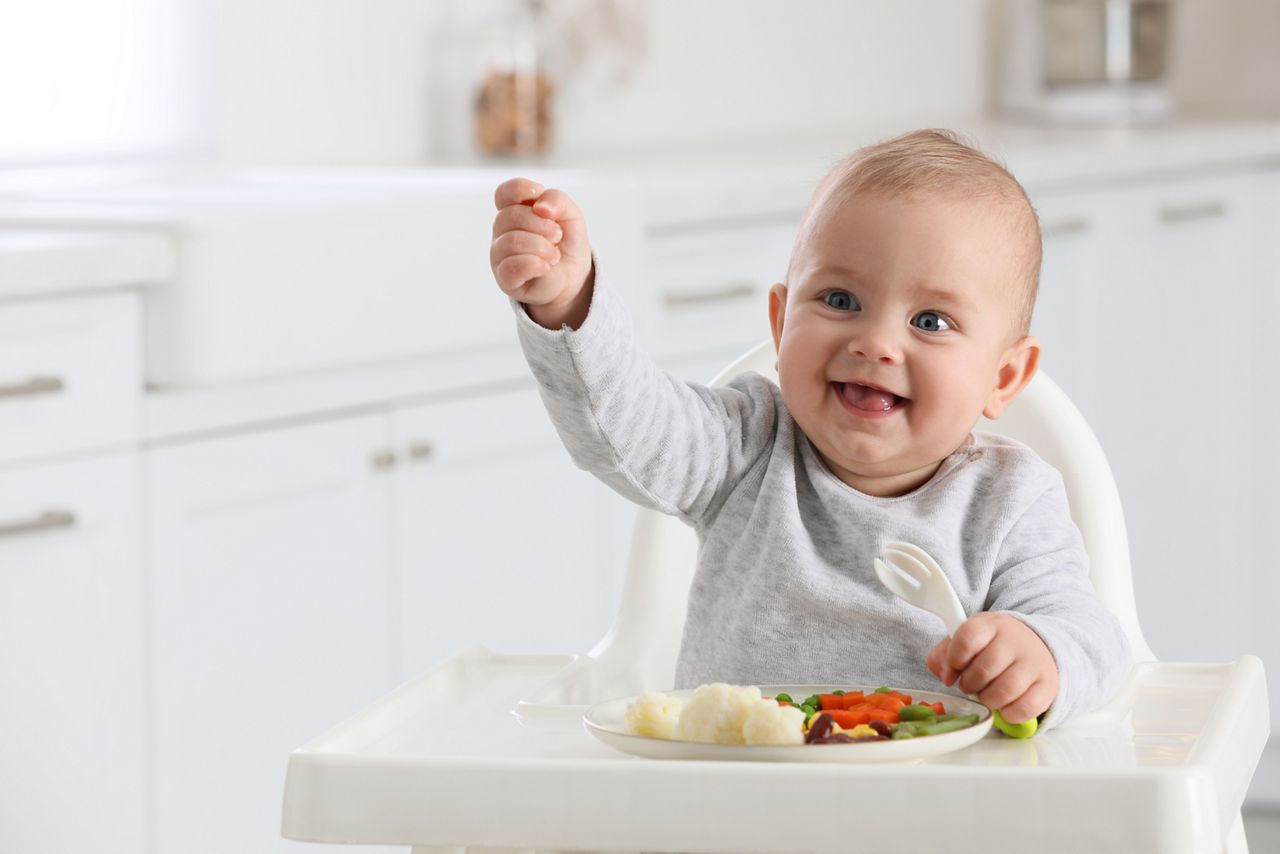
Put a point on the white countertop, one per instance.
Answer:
(37, 262)
(48, 246)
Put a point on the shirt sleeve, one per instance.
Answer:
(1042, 578)
(664, 443)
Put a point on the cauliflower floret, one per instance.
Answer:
(654, 715)
(716, 713)
(769, 723)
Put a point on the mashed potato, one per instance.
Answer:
(654, 715)
(769, 723)
(717, 713)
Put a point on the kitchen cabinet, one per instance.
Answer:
(72, 776)
(272, 616)
(301, 572)
(1148, 305)
(500, 539)
(70, 374)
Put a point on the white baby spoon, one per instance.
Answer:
(915, 577)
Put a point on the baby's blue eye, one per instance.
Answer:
(840, 300)
(930, 321)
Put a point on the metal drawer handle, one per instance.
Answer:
(33, 386)
(383, 460)
(46, 521)
(1190, 213)
(1065, 227)
(421, 451)
(733, 290)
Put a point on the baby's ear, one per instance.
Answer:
(1017, 366)
(777, 311)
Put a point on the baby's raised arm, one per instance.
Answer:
(674, 446)
(540, 254)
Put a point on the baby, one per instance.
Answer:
(903, 318)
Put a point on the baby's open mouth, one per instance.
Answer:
(869, 399)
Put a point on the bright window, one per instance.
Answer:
(86, 78)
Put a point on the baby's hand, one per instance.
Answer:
(1002, 661)
(540, 254)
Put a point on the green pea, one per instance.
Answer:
(838, 693)
(881, 690)
(784, 698)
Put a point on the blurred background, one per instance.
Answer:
(262, 405)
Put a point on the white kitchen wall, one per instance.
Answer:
(720, 70)
(301, 82)
(305, 82)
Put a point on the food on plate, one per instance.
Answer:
(719, 713)
(771, 723)
(716, 713)
(654, 715)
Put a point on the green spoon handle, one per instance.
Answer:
(1026, 729)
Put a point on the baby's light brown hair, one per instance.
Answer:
(941, 163)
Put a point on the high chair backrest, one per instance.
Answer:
(640, 648)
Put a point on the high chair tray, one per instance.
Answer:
(444, 760)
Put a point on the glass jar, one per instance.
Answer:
(512, 104)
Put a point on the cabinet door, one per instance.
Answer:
(271, 623)
(502, 540)
(71, 709)
(1186, 319)
(1085, 258)
(1265, 463)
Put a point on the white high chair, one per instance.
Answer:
(487, 751)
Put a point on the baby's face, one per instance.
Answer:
(894, 334)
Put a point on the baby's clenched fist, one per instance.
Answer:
(540, 254)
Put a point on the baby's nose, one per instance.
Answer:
(876, 345)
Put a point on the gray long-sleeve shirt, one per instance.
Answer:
(784, 591)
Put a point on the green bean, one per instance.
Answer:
(939, 727)
(916, 713)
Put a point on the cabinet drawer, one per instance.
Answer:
(709, 288)
(70, 374)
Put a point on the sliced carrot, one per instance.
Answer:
(938, 708)
(851, 698)
(845, 718)
(890, 717)
(830, 701)
(856, 718)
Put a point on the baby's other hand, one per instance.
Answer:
(1002, 661)
(540, 254)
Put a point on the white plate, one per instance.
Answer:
(605, 722)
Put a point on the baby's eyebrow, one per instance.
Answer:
(944, 296)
